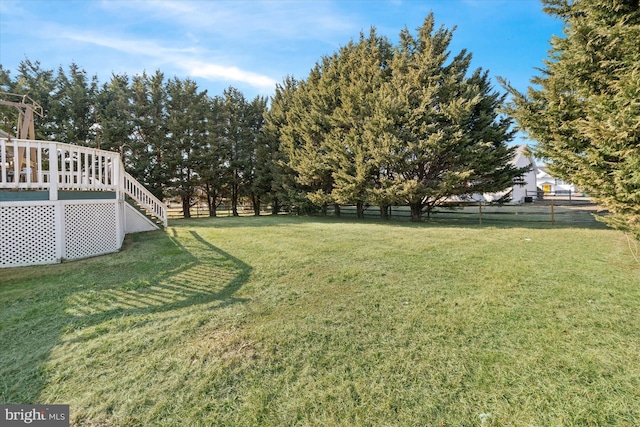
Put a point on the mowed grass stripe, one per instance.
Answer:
(308, 321)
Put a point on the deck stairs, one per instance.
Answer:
(144, 201)
(158, 223)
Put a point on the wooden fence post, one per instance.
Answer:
(553, 219)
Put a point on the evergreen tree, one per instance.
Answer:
(303, 138)
(73, 107)
(373, 123)
(584, 111)
(235, 135)
(450, 142)
(211, 157)
(114, 117)
(256, 174)
(285, 190)
(186, 133)
(241, 128)
(360, 70)
(148, 141)
(6, 83)
(8, 115)
(38, 84)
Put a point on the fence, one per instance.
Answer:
(201, 210)
(558, 194)
(548, 211)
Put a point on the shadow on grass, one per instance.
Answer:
(45, 306)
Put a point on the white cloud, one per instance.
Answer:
(130, 46)
(218, 72)
(185, 59)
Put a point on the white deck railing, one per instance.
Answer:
(31, 164)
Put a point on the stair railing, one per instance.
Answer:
(148, 201)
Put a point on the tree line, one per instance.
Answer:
(374, 123)
(174, 138)
(382, 124)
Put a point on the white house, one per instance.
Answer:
(552, 185)
(523, 189)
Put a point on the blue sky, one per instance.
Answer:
(251, 45)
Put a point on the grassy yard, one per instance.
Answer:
(324, 322)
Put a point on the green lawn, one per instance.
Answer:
(306, 321)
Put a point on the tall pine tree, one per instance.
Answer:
(114, 116)
(360, 70)
(450, 140)
(186, 134)
(287, 192)
(211, 156)
(584, 111)
(74, 107)
(148, 141)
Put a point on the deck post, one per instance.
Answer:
(53, 197)
(53, 171)
(120, 195)
(3, 161)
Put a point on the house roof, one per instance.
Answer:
(543, 173)
(544, 168)
(524, 152)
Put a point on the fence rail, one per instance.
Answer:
(201, 210)
(548, 211)
(558, 194)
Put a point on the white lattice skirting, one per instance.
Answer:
(46, 232)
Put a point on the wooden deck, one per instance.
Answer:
(61, 202)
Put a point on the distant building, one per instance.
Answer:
(524, 188)
(552, 185)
